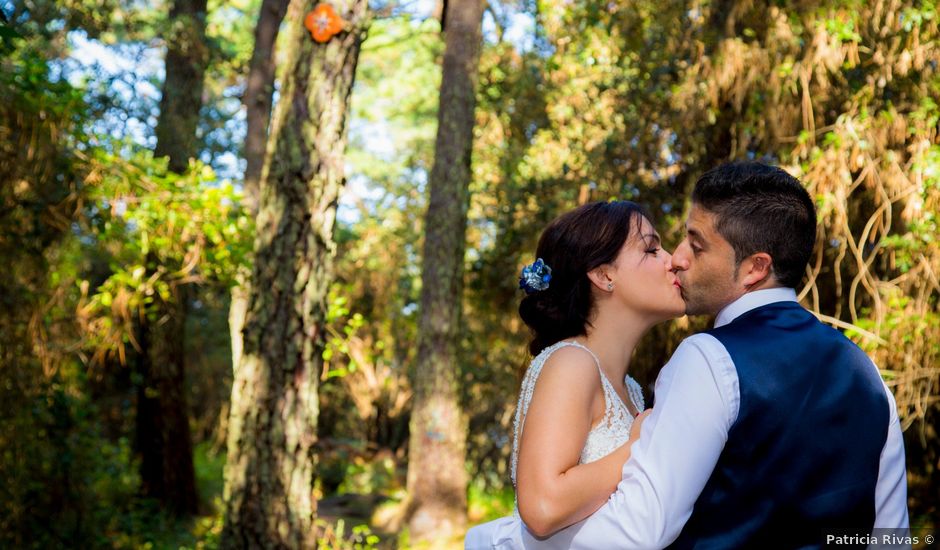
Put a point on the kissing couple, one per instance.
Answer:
(772, 430)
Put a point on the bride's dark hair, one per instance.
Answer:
(572, 245)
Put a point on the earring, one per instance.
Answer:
(610, 286)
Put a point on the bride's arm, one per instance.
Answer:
(553, 490)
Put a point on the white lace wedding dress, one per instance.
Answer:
(611, 432)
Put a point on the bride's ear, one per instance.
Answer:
(599, 278)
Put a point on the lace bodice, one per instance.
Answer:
(611, 432)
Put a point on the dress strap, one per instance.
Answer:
(636, 393)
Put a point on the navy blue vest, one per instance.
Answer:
(802, 456)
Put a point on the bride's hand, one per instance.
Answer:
(638, 424)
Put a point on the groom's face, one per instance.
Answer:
(704, 263)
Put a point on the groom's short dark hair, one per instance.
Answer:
(761, 208)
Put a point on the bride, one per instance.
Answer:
(600, 282)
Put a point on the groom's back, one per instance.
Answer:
(803, 455)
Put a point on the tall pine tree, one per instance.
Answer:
(270, 466)
(437, 479)
(163, 435)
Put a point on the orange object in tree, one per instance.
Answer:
(323, 23)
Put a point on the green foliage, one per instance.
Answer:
(7, 38)
(230, 34)
(157, 229)
(141, 523)
(46, 431)
(372, 308)
(486, 505)
(336, 537)
(49, 449)
(379, 475)
(75, 487)
(89, 226)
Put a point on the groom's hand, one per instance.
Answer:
(638, 425)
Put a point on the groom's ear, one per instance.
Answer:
(756, 269)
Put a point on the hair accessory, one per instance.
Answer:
(535, 277)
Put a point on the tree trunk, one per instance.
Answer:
(437, 480)
(270, 466)
(259, 91)
(163, 436)
(186, 59)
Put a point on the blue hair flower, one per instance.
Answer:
(535, 277)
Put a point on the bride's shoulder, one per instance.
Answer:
(562, 378)
(566, 363)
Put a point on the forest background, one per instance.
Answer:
(329, 299)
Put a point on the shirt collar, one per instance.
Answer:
(753, 300)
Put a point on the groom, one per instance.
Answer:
(770, 431)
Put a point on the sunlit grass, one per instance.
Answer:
(483, 505)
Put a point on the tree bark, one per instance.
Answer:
(163, 435)
(259, 92)
(186, 60)
(437, 480)
(270, 466)
(162, 429)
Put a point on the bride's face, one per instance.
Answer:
(642, 279)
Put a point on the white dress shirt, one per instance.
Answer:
(697, 400)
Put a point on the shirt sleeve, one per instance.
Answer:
(891, 489)
(697, 401)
